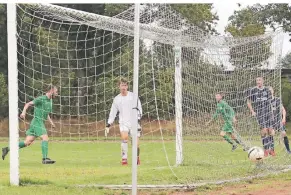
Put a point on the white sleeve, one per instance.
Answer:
(139, 109)
(113, 112)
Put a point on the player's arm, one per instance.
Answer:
(26, 106)
(249, 103)
(139, 109)
(51, 121)
(232, 114)
(36, 102)
(214, 116)
(250, 98)
(283, 115)
(139, 114)
(112, 114)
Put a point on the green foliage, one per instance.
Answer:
(3, 96)
(286, 96)
(286, 61)
(275, 15)
(3, 40)
(200, 15)
(246, 23)
(114, 9)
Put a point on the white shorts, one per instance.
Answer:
(127, 128)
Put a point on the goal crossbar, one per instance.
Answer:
(184, 37)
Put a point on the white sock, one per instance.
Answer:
(124, 149)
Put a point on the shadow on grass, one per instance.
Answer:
(27, 182)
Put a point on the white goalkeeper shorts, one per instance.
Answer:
(127, 128)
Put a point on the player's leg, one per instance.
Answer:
(271, 133)
(235, 138)
(138, 151)
(44, 149)
(286, 140)
(124, 144)
(262, 122)
(139, 133)
(269, 124)
(224, 134)
(28, 140)
(41, 132)
(265, 140)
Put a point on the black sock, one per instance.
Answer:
(265, 140)
(286, 142)
(137, 151)
(271, 142)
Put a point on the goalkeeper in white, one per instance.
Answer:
(123, 104)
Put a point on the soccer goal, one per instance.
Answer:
(180, 70)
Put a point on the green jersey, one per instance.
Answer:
(42, 107)
(225, 110)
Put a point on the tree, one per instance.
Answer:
(3, 96)
(286, 61)
(199, 15)
(246, 23)
(3, 40)
(275, 15)
(286, 96)
(272, 15)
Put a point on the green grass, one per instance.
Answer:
(80, 163)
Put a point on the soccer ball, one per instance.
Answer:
(256, 154)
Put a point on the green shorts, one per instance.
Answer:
(227, 127)
(36, 128)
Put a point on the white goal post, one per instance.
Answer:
(135, 100)
(13, 93)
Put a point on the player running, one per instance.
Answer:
(42, 108)
(279, 119)
(228, 116)
(123, 104)
(259, 102)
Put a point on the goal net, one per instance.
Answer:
(181, 68)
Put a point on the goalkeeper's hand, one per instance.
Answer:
(107, 129)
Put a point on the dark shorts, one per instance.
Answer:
(265, 119)
(278, 126)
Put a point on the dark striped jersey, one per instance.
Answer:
(261, 99)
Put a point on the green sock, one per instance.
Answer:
(20, 145)
(236, 141)
(227, 139)
(44, 149)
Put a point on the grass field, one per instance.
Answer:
(80, 163)
(89, 161)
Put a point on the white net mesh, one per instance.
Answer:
(84, 54)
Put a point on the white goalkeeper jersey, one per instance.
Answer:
(124, 106)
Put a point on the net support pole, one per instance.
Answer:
(178, 105)
(135, 100)
(13, 93)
